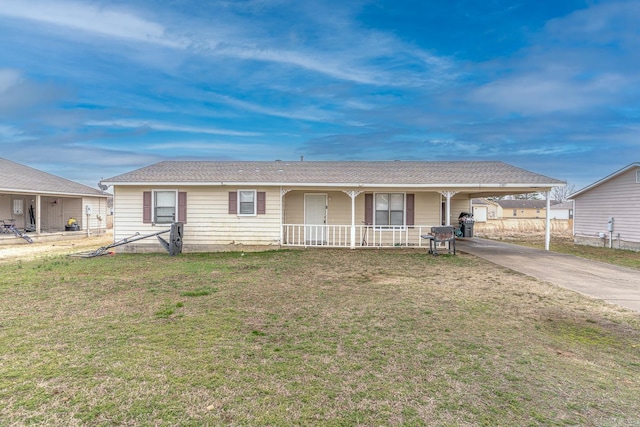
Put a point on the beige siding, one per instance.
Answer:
(209, 226)
(339, 207)
(458, 205)
(97, 221)
(618, 198)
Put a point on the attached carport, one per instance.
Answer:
(38, 202)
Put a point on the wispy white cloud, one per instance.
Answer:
(568, 68)
(307, 113)
(369, 57)
(9, 78)
(166, 127)
(90, 18)
(10, 134)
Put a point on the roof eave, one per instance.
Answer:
(49, 193)
(532, 186)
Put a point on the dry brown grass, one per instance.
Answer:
(329, 337)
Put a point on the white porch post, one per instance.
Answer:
(353, 194)
(547, 227)
(448, 195)
(38, 216)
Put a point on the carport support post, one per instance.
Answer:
(547, 227)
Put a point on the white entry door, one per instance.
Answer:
(315, 219)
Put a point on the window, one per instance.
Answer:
(637, 176)
(17, 207)
(164, 207)
(389, 209)
(246, 202)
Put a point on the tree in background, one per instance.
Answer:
(561, 194)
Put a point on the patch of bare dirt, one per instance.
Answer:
(26, 251)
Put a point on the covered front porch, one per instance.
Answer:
(382, 217)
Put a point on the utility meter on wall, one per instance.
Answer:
(610, 224)
(88, 209)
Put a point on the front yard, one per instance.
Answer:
(300, 337)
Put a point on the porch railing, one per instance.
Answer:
(339, 236)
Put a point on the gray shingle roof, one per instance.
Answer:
(332, 173)
(15, 177)
(524, 204)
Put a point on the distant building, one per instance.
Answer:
(562, 210)
(39, 202)
(523, 209)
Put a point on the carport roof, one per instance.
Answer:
(414, 174)
(18, 178)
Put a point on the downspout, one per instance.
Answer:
(547, 230)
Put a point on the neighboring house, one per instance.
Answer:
(485, 209)
(607, 212)
(523, 209)
(39, 202)
(562, 210)
(229, 205)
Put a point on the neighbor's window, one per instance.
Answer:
(164, 207)
(389, 208)
(247, 202)
(638, 176)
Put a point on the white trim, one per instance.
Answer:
(153, 205)
(404, 212)
(439, 186)
(255, 202)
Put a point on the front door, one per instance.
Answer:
(315, 218)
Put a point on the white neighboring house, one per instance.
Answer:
(42, 203)
(607, 212)
(239, 205)
(562, 210)
(485, 210)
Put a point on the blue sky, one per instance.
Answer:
(92, 89)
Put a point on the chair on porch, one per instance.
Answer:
(445, 234)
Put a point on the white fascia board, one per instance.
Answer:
(475, 186)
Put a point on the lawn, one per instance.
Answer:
(301, 337)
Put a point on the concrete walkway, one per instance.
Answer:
(617, 285)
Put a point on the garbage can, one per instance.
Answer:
(466, 222)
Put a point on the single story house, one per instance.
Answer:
(562, 210)
(485, 210)
(607, 212)
(41, 203)
(523, 209)
(233, 205)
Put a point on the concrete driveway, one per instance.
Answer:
(617, 285)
